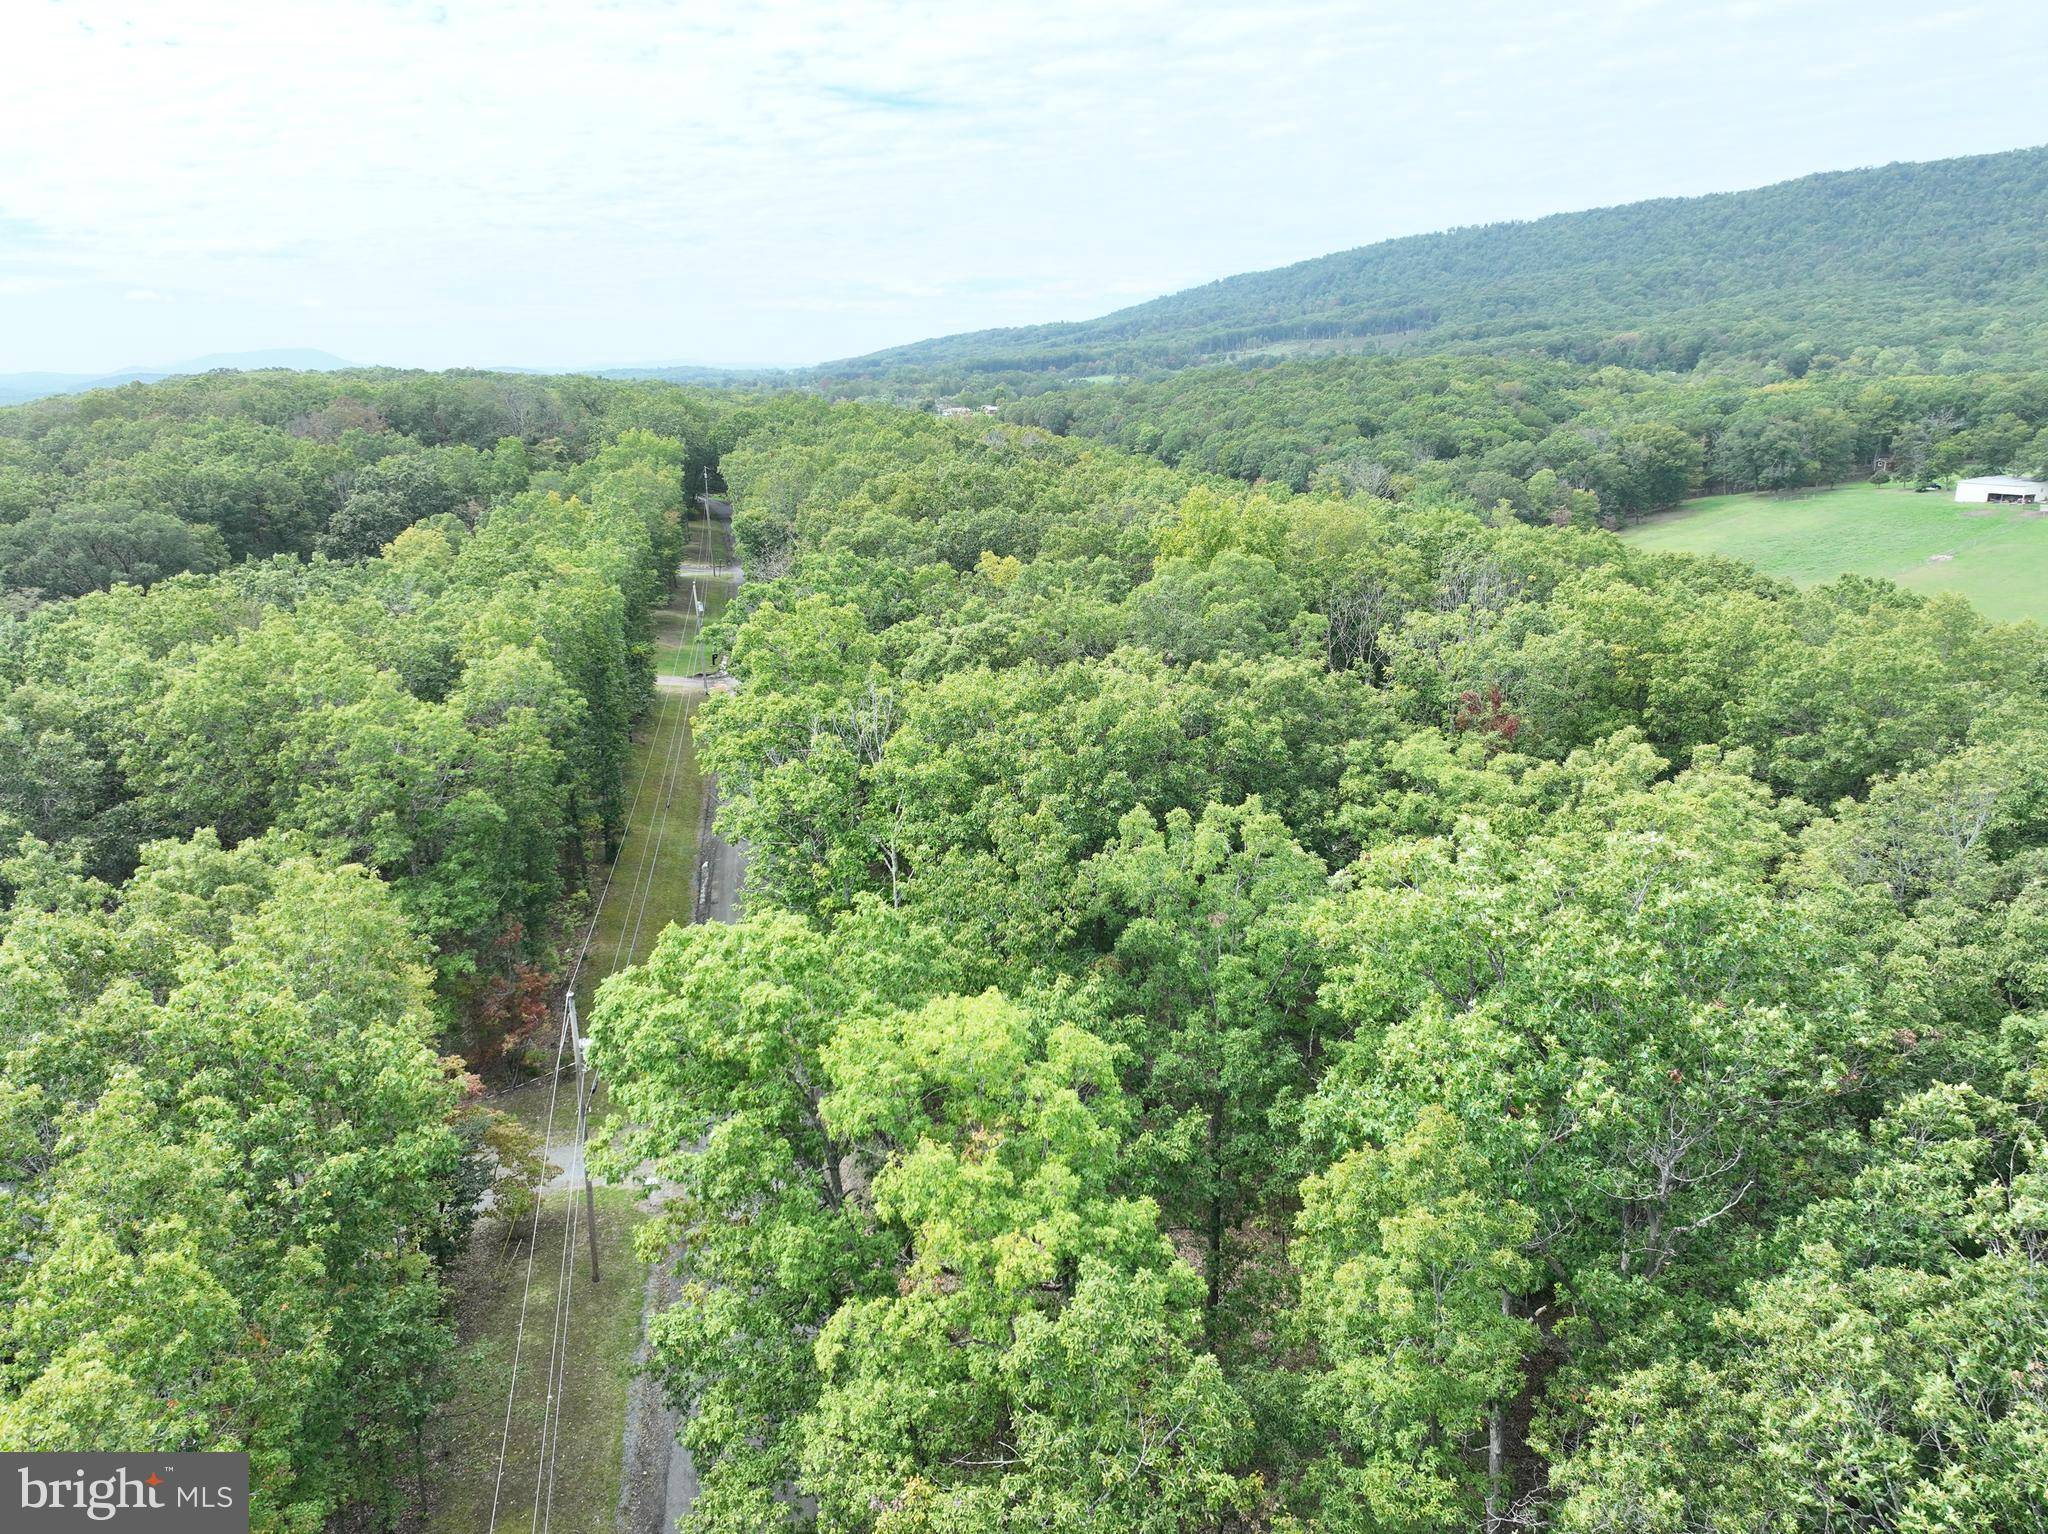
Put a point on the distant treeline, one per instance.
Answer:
(136, 483)
(1552, 440)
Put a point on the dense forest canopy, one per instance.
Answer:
(287, 852)
(1288, 978)
(251, 465)
(1933, 267)
(1287, 1012)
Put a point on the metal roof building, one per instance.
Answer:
(2002, 490)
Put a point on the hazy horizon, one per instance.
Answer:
(500, 184)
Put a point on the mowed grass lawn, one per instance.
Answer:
(655, 882)
(1998, 554)
(463, 1440)
(679, 648)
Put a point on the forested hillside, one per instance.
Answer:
(1927, 267)
(1312, 1011)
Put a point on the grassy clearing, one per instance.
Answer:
(464, 1438)
(1998, 555)
(678, 648)
(655, 880)
(702, 540)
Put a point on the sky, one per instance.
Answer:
(593, 183)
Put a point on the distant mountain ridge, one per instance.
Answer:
(1943, 260)
(19, 388)
(1932, 266)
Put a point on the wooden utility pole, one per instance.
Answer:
(582, 1133)
(709, 558)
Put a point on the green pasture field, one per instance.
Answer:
(1997, 555)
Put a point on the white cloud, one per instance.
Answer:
(786, 180)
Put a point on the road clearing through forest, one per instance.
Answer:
(575, 1420)
(660, 1479)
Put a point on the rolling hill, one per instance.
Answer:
(1938, 265)
(20, 388)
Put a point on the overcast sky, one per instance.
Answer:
(567, 183)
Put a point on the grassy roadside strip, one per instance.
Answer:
(655, 876)
(462, 1445)
(678, 649)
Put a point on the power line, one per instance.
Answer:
(612, 871)
(548, 1451)
(566, 1290)
(519, 1336)
(645, 884)
(558, 1369)
(554, 1091)
(548, 1454)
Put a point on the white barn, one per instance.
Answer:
(2002, 490)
